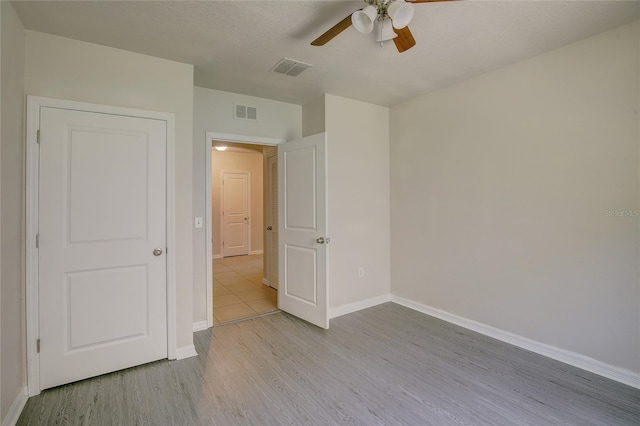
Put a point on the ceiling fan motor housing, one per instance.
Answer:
(398, 12)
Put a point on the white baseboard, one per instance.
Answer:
(200, 325)
(186, 352)
(358, 306)
(581, 361)
(16, 408)
(257, 251)
(216, 256)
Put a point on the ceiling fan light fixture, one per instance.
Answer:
(385, 31)
(364, 19)
(401, 13)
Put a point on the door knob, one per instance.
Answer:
(320, 240)
(157, 251)
(269, 228)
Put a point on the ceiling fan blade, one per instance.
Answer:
(332, 32)
(405, 40)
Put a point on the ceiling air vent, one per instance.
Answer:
(244, 112)
(290, 67)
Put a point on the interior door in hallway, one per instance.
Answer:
(235, 213)
(303, 242)
(272, 222)
(102, 238)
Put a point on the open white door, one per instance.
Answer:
(303, 289)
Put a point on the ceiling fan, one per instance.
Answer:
(389, 17)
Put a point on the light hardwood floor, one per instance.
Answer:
(386, 365)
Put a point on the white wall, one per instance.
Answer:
(1, 411)
(213, 112)
(237, 162)
(13, 366)
(313, 117)
(500, 187)
(68, 69)
(358, 193)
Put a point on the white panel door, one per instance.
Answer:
(303, 289)
(235, 214)
(102, 213)
(272, 222)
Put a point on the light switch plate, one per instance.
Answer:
(198, 222)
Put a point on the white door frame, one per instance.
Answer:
(249, 211)
(210, 137)
(34, 103)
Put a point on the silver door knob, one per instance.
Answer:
(157, 251)
(320, 240)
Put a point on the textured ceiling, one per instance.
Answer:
(234, 44)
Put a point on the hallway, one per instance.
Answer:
(238, 291)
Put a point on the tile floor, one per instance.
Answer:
(238, 291)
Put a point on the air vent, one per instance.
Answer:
(244, 112)
(290, 67)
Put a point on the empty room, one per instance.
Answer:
(367, 212)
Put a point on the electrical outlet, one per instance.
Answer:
(198, 222)
(361, 272)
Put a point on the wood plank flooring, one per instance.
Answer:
(386, 365)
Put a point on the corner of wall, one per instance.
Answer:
(498, 241)
(314, 116)
(358, 203)
(14, 411)
(12, 338)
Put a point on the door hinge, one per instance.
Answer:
(38, 345)
(37, 240)
(38, 136)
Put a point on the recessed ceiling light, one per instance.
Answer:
(221, 148)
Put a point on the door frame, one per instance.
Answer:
(210, 138)
(34, 103)
(249, 195)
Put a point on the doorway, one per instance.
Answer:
(239, 287)
(238, 283)
(301, 212)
